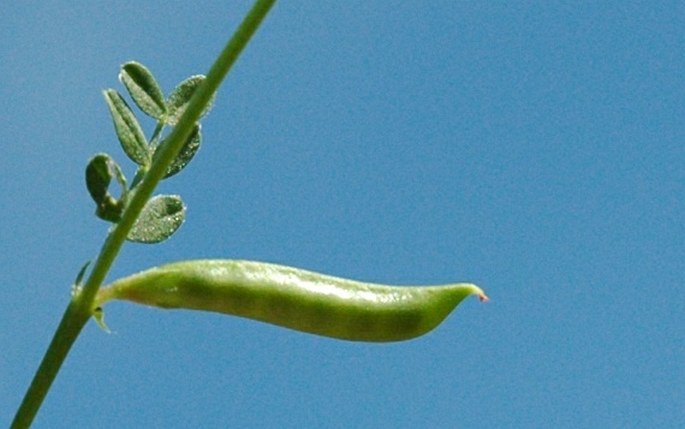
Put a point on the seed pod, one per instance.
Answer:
(294, 298)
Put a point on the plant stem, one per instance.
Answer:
(79, 309)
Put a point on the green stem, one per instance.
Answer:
(79, 309)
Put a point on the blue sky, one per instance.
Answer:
(535, 148)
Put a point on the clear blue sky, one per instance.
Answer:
(536, 148)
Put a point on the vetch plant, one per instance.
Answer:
(289, 297)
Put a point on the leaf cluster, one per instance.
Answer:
(162, 214)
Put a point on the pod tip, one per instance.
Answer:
(483, 297)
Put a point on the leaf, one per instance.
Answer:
(81, 273)
(76, 287)
(188, 151)
(180, 97)
(128, 129)
(99, 173)
(160, 218)
(143, 88)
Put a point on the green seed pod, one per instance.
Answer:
(293, 298)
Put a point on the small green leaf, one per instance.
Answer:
(180, 97)
(160, 218)
(128, 129)
(143, 88)
(81, 273)
(188, 151)
(76, 287)
(99, 173)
